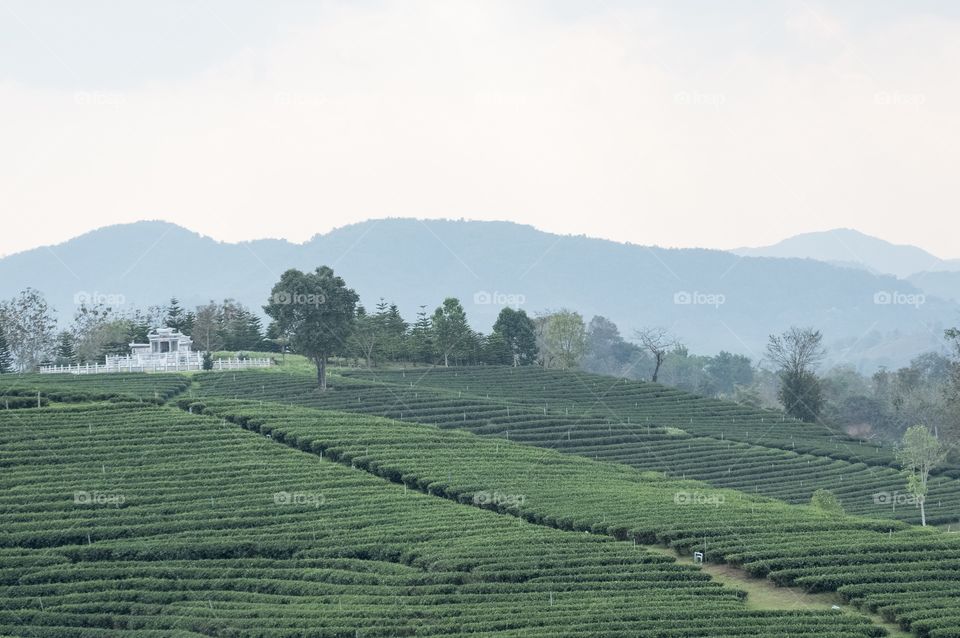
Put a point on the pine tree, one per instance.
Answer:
(66, 349)
(421, 338)
(175, 316)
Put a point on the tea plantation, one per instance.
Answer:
(127, 518)
(644, 425)
(227, 504)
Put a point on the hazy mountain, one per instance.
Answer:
(844, 246)
(712, 299)
(939, 284)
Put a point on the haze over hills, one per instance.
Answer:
(711, 299)
(848, 247)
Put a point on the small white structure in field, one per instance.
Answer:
(166, 350)
(165, 347)
(698, 557)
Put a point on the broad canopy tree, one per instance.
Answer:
(317, 311)
(518, 334)
(29, 329)
(451, 331)
(562, 339)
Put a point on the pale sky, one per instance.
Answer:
(673, 123)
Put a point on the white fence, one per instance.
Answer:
(240, 364)
(130, 365)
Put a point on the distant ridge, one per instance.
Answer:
(712, 299)
(856, 249)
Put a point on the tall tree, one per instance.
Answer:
(422, 347)
(29, 328)
(952, 391)
(518, 332)
(6, 358)
(451, 332)
(317, 310)
(659, 343)
(563, 339)
(919, 453)
(175, 317)
(395, 334)
(207, 330)
(93, 327)
(366, 335)
(726, 371)
(796, 353)
(66, 353)
(496, 351)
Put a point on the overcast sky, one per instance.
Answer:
(673, 123)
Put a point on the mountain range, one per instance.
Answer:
(848, 247)
(711, 299)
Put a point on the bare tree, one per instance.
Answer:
(797, 350)
(658, 342)
(796, 353)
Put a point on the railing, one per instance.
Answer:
(239, 364)
(131, 365)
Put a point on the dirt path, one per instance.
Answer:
(763, 594)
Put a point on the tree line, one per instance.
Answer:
(318, 315)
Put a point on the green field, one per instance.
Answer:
(644, 425)
(236, 509)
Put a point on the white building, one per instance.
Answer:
(167, 350)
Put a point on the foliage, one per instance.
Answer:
(28, 325)
(561, 339)
(725, 372)
(607, 352)
(317, 310)
(800, 395)
(451, 332)
(919, 453)
(826, 501)
(518, 334)
(6, 358)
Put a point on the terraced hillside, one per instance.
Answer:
(642, 425)
(72, 388)
(135, 519)
(906, 573)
